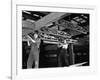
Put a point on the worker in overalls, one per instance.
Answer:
(34, 52)
(63, 55)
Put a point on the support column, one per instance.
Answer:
(71, 54)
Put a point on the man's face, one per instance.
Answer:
(35, 36)
(65, 41)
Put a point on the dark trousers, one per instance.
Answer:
(63, 57)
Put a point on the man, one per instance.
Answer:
(34, 52)
(63, 55)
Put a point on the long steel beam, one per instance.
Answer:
(49, 18)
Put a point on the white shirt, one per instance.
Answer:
(29, 38)
(65, 46)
